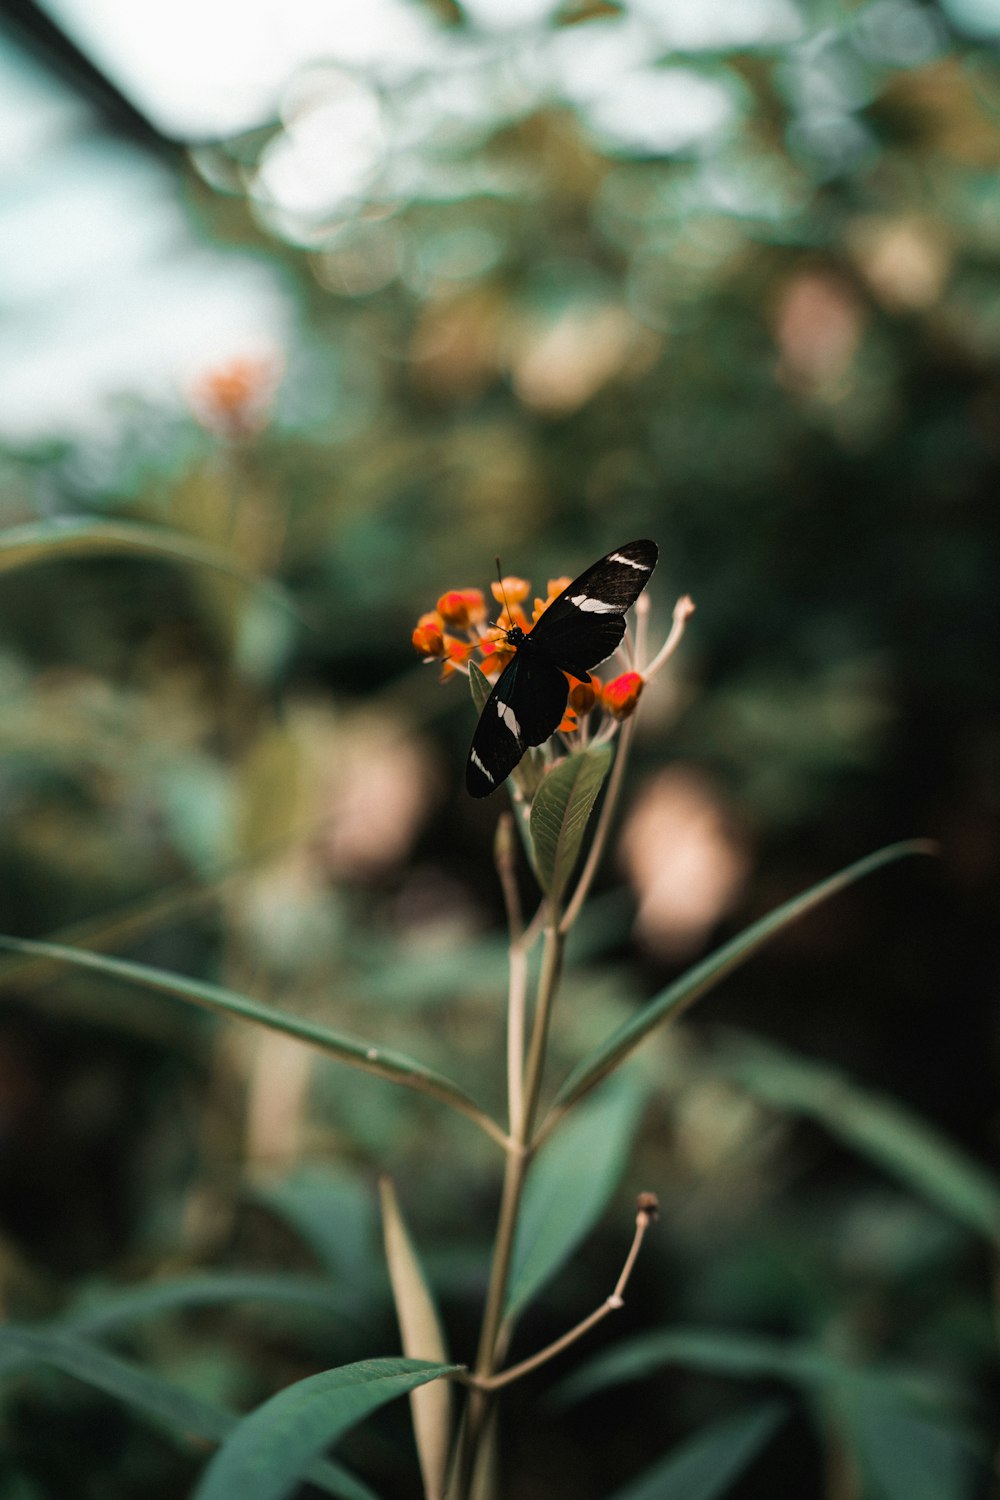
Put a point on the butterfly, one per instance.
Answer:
(578, 630)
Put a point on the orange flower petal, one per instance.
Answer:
(428, 637)
(583, 694)
(496, 655)
(511, 590)
(462, 607)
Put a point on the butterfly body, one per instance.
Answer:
(580, 628)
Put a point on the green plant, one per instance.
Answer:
(564, 1151)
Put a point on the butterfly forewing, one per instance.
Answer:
(578, 643)
(587, 620)
(581, 628)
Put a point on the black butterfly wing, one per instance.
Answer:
(524, 708)
(586, 622)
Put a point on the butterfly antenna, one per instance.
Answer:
(503, 594)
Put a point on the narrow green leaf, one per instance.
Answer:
(422, 1338)
(709, 1463)
(569, 1186)
(47, 541)
(744, 1356)
(906, 1455)
(560, 812)
(159, 1400)
(884, 1131)
(271, 1448)
(164, 1402)
(705, 975)
(333, 1211)
(121, 1307)
(368, 1057)
(480, 686)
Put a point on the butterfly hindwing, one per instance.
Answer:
(524, 709)
(580, 628)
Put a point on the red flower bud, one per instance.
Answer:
(584, 693)
(622, 695)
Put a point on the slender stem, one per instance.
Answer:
(517, 1007)
(644, 1217)
(515, 1372)
(517, 1000)
(504, 856)
(548, 983)
(504, 853)
(683, 610)
(518, 1156)
(641, 628)
(519, 1151)
(603, 828)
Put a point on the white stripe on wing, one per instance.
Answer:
(506, 713)
(594, 606)
(477, 762)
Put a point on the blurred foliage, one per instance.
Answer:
(732, 283)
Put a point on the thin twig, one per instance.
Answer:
(646, 1212)
(603, 828)
(683, 610)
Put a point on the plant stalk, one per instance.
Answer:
(517, 1158)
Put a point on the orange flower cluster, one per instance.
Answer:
(457, 629)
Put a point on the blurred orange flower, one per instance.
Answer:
(234, 399)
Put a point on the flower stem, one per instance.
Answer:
(683, 610)
(518, 1156)
(519, 1151)
(603, 828)
(645, 1214)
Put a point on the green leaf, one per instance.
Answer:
(164, 1403)
(879, 1128)
(422, 1338)
(905, 1455)
(744, 1356)
(120, 1308)
(480, 685)
(368, 1057)
(705, 975)
(569, 1186)
(48, 541)
(707, 1464)
(271, 1448)
(334, 1213)
(560, 813)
